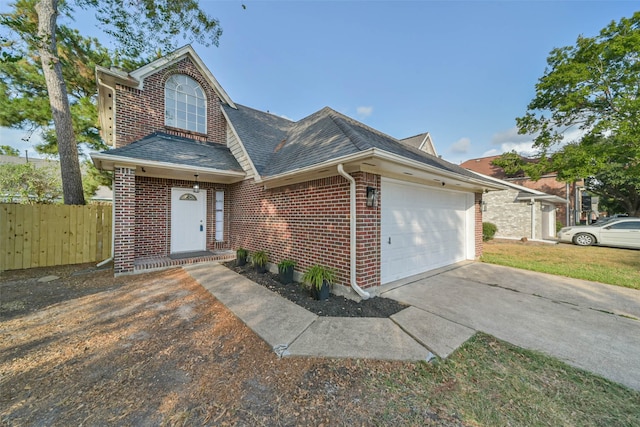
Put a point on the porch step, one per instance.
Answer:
(159, 263)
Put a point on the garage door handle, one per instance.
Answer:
(389, 240)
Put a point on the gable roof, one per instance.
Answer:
(422, 142)
(527, 194)
(107, 78)
(278, 146)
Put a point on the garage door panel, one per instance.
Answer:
(422, 228)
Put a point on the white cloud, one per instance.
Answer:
(510, 136)
(461, 146)
(510, 140)
(364, 111)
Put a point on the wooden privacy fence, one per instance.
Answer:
(46, 235)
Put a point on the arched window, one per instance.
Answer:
(185, 105)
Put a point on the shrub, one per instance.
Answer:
(242, 253)
(259, 258)
(286, 263)
(316, 274)
(488, 231)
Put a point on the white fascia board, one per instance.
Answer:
(543, 197)
(117, 76)
(256, 175)
(171, 59)
(385, 155)
(128, 161)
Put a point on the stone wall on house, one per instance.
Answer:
(550, 185)
(513, 218)
(309, 223)
(153, 215)
(141, 112)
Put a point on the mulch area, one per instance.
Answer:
(335, 306)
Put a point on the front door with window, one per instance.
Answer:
(188, 220)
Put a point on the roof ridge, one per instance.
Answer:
(369, 128)
(265, 112)
(354, 136)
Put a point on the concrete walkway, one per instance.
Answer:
(576, 321)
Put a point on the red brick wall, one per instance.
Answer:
(141, 112)
(368, 231)
(153, 215)
(308, 223)
(153, 209)
(124, 200)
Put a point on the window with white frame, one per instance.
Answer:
(185, 105)
(219, 216)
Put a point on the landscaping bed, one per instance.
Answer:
(335, 306)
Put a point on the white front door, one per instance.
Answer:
(188, 220)
(423, 228)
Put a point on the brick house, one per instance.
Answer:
(521, 212)
(325, 189)
(549, 184)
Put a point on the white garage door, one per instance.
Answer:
(423, 228)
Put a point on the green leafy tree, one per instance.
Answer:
(45, 52)
(92, 178)
(25, 183)
(8, 150)
(594, 87)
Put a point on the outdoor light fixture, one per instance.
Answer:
(196, 187)
(372, 197)
(484, 206)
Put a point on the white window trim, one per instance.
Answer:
(171, 111)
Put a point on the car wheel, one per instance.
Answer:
(584, 239)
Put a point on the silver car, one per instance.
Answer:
(619, 232)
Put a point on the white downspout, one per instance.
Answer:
(113, 223)
(352, 228)
(533, 219)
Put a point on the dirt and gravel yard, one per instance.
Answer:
(157, 349)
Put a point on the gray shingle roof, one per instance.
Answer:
(277, 145)
(161, 147)
(260, 132)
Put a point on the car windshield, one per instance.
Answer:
(602, 221)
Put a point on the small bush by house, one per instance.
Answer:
(488, 231)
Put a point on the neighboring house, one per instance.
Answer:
(325, 189)
(520, 212)
(566, 214)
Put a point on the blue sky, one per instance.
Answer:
(461, 70)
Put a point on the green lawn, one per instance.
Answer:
(620, 267)
(488, 382)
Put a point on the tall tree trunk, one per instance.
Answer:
(47, 11)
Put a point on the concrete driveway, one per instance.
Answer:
(588, 325)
